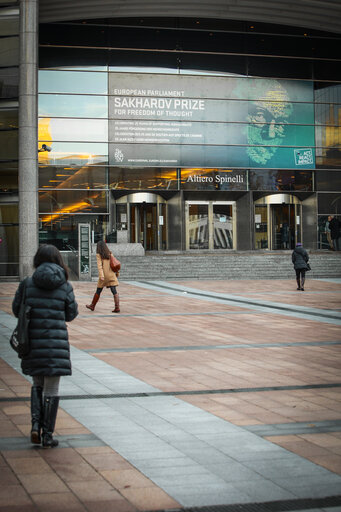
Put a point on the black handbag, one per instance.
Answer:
(20, 341)
(308, 267)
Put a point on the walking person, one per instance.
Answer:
(300, 259)
(328, 233)
(52, 301)
(106, 277)
(335, 232)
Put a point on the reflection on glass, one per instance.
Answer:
(143, 62)
(9, 234)
(63, 105)
(73, 153)
(60, 202)
(223, 226)
(9, 119)
(62, 231)
(328, 181)
(280, 180)
(328, 131)
(92, 130)
(73, 82)
(329, 204)
(9, 80)
(63, 177)
(9, 55)
(9, 145)
(142, 178)
(261, 227)
(9, 177)
(198, 226)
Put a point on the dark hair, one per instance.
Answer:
(47, 253)
(103, 250)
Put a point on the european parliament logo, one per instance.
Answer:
(304, 157)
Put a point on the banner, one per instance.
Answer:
(161, 120)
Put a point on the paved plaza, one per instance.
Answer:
(201, 395)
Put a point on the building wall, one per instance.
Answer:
(269, 122)
(9, 93)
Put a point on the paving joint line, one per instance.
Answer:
(267, 506)
(245, 302)
(213, 347)
(182, 393)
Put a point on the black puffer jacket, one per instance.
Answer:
(53, 303)
(300, 258)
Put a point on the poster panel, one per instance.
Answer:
(182, 121)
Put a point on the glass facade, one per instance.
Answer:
(187, 109)
(236, 109)
(9, 93)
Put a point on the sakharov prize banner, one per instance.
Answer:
(173, 120)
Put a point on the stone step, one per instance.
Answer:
(222, 266)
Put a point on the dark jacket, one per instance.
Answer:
(334, 226)
(53, 303)
(300, 258)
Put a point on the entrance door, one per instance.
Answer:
(209, 225)
(278, 222)
(198, 226)
(283, 226)
(143, 225)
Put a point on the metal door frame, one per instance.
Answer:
(210, 222)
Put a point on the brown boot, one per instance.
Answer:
(94, 302)
(117, 304)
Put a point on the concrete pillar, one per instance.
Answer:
(28, 136)
(245, 224)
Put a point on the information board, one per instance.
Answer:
(84, 251)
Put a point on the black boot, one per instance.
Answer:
(36, 413)
(298, 283)
(49, 420)
(302, 284)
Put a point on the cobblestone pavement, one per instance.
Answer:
(222, 395)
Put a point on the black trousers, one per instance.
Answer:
(112, 288)
(300, 272)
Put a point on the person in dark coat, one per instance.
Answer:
(335, 232)
(52, 301)
(300, 258)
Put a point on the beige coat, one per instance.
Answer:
(109, 278)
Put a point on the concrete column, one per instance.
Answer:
(28, 136)
(245, 224)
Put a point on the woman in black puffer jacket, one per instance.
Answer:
(52, 302)
(300, 259)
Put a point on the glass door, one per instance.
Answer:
(283, 226)
(198, 226)
(143, 225)
(210, 225)
(222, 226)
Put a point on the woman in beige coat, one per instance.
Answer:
(106, 277)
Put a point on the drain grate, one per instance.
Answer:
(269, 506)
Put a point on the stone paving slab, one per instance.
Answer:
(182, 454)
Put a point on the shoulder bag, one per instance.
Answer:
(115, 265)
(20, 341)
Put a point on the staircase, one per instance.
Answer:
(222, 265)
